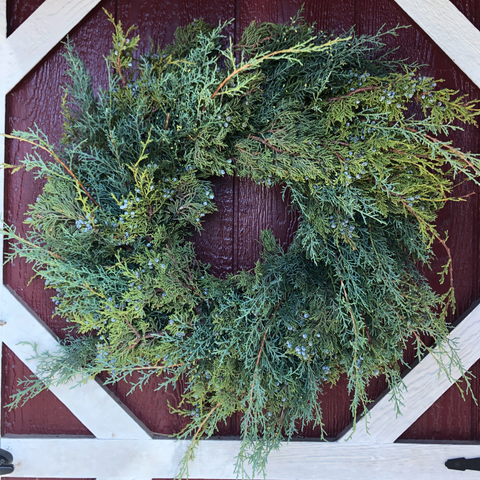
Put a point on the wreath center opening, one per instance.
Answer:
(230, 239)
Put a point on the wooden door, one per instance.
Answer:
(229, 241)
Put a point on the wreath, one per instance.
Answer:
(351, 135)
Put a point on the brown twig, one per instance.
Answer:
(246, 67)
(119, 67)
(246, 94)
(405, 153)
(339, 156)
(464, 196)
(358, 90)
(20, 239)
(138, 340)
(133, 329)
(267, 144)
(454, 150)
(203, 423)
(368, 335)
(56, 158)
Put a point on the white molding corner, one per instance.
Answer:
(425, 384)
(90, 402)
(40, 32)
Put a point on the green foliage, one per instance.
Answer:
(329, 118)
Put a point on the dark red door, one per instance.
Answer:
(229, 241)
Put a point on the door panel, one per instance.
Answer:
(230, 238)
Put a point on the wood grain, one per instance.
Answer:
(43, 415)
(18, 12)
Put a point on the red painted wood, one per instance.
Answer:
(230, 238)
(256, 209)
(18, 12)
(45, 414)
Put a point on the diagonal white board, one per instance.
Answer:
(91, 403)
(450, 30)
(42, 31)
(424, 385)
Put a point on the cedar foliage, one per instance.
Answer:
(329, 118)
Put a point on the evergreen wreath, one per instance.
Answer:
(352, 137)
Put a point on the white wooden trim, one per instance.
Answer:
(3, 19)
(42, 31)
(424, 385)
(91, 403)
(214, 459)
(450, 30)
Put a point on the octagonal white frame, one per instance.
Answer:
(123, 447)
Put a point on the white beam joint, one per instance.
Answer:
(425, 384)
(90, 402)
(37, 35)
